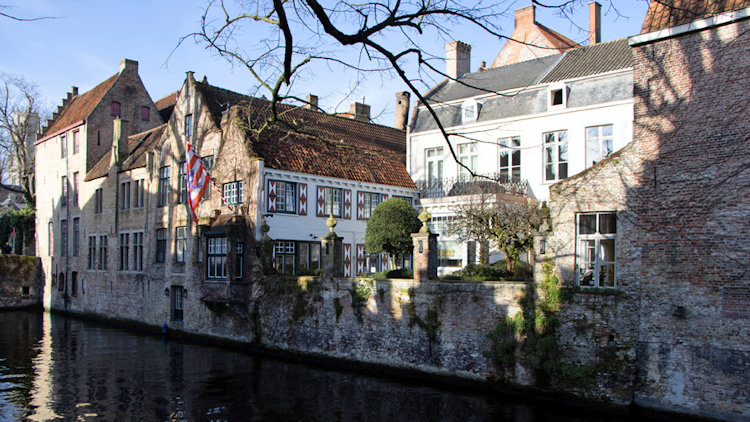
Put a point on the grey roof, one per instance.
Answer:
(496, 79)
(592, 60)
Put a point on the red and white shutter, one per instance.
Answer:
(360, 258)
(383, 197)
(384, 262)
(271, 196)
(321, 202)
(302, 199)
(347, 203)
(347, 260)
(360, 206)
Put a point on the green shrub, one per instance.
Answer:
(495, 272)
(398, 273)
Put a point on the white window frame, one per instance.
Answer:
(433, 164)
(470, 111)
(511, 147)
(594, 136)
(469, 157)
(555, 146)
(180, 243)
(370, 200)
(332, 201)
(590, 253)
(216, 258)
(233, 192)
(286, 197)
(551, 92)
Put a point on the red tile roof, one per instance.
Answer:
(668, 13)
(80, 106)
(138, 145)
(166, 105)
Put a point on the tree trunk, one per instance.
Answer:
(508, 262)
(484, 253)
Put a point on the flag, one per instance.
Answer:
(197, 180)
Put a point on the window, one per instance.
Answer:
(510, 159)
(470, 111)
(434, 165)
(450, 254)
(125, 195)
(76, 142)
(103, 252)
(283, 255)
(74, 283)
(331, 202)
(163, 194)
(239, 257)
(176, 302)
(467, 155)
(555, 155)
(216, 258)
(63, 147)
(115, 109)
(371, 262)
(161, 245)
(138, 251)
(75, 188)
(181, 184)
(188, 126)
(124, 251)
(64, 191)
(208, 163)
(286, 198)
(599, 144)
(180, 242)
(98, 201)
(76, 234)
(596, 249)
(92, 252)
(63, 237)
(557, 95)
(233, 192)
(308, 257)
(406, 199)
(50, 238)
(371, 200)
(145, 113)
(138, 193)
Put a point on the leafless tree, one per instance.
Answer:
(504, 221)
(20, 115)
(390, 37)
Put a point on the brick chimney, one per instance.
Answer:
(595, 23)
(127, 64)
(119, 142)
(402, 110)
(457, 59)
(525, 16)
(360, 111)
(312, 102)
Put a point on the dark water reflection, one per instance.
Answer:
(56, 368)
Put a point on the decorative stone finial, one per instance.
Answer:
(331, 223)
(424, 217)
(264, 228)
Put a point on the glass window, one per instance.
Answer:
(180, 243)
(63, 146)
(163, 194)
(92, 253)
(467, 155)
(161, 245)
(189, 126)
(125, 195)
(103, 252)
(286, 197)
(233, 192)
(332, 202)
(181, 185)
(371, 200)
(555, 155)
(216, 258)
(284, 257)
(75, 188)
(64, 191)
(98, 201)
(208, 163)
(64, 237)
(599, 144)
(138, 191)
(176, 297)
(510, 159)
(76, 234)
(434, 165)
(76, 142)
(138, 251)
(239, 258)
(124, 251)
(596, 249)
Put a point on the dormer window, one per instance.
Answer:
(470, 111)
(557, 96)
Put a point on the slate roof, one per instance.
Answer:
(81, 106)
(592, 60)
(138, 145)
(667, 13)
(166, 106)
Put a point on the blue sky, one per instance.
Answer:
(85, 43)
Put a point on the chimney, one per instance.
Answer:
(525, 16)
(312, 102)
(119, 142)
(75, 90)
(457, 59)
(595, 23)
(128, 64)
(360, 111)
(402, 110)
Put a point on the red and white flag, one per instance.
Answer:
(197, 180)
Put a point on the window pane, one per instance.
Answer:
(607, 250)
(504, 158)
(587, 224)
(607, 223)
(563, 171)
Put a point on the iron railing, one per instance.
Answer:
(455, 186)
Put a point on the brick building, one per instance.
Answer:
(121, 241)
(653, 240)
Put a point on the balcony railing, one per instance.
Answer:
(455, 186)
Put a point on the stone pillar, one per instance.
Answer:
(330, 251)
(425, 251)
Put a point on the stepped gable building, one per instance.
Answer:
(653, 240)
(524, 126)
(133, 251)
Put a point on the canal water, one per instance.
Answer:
(57, 368)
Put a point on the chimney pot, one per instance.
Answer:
(75, 90)
(595, 23)
(360, 111)
(312, 102)
(457, 59)
(402, 110)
